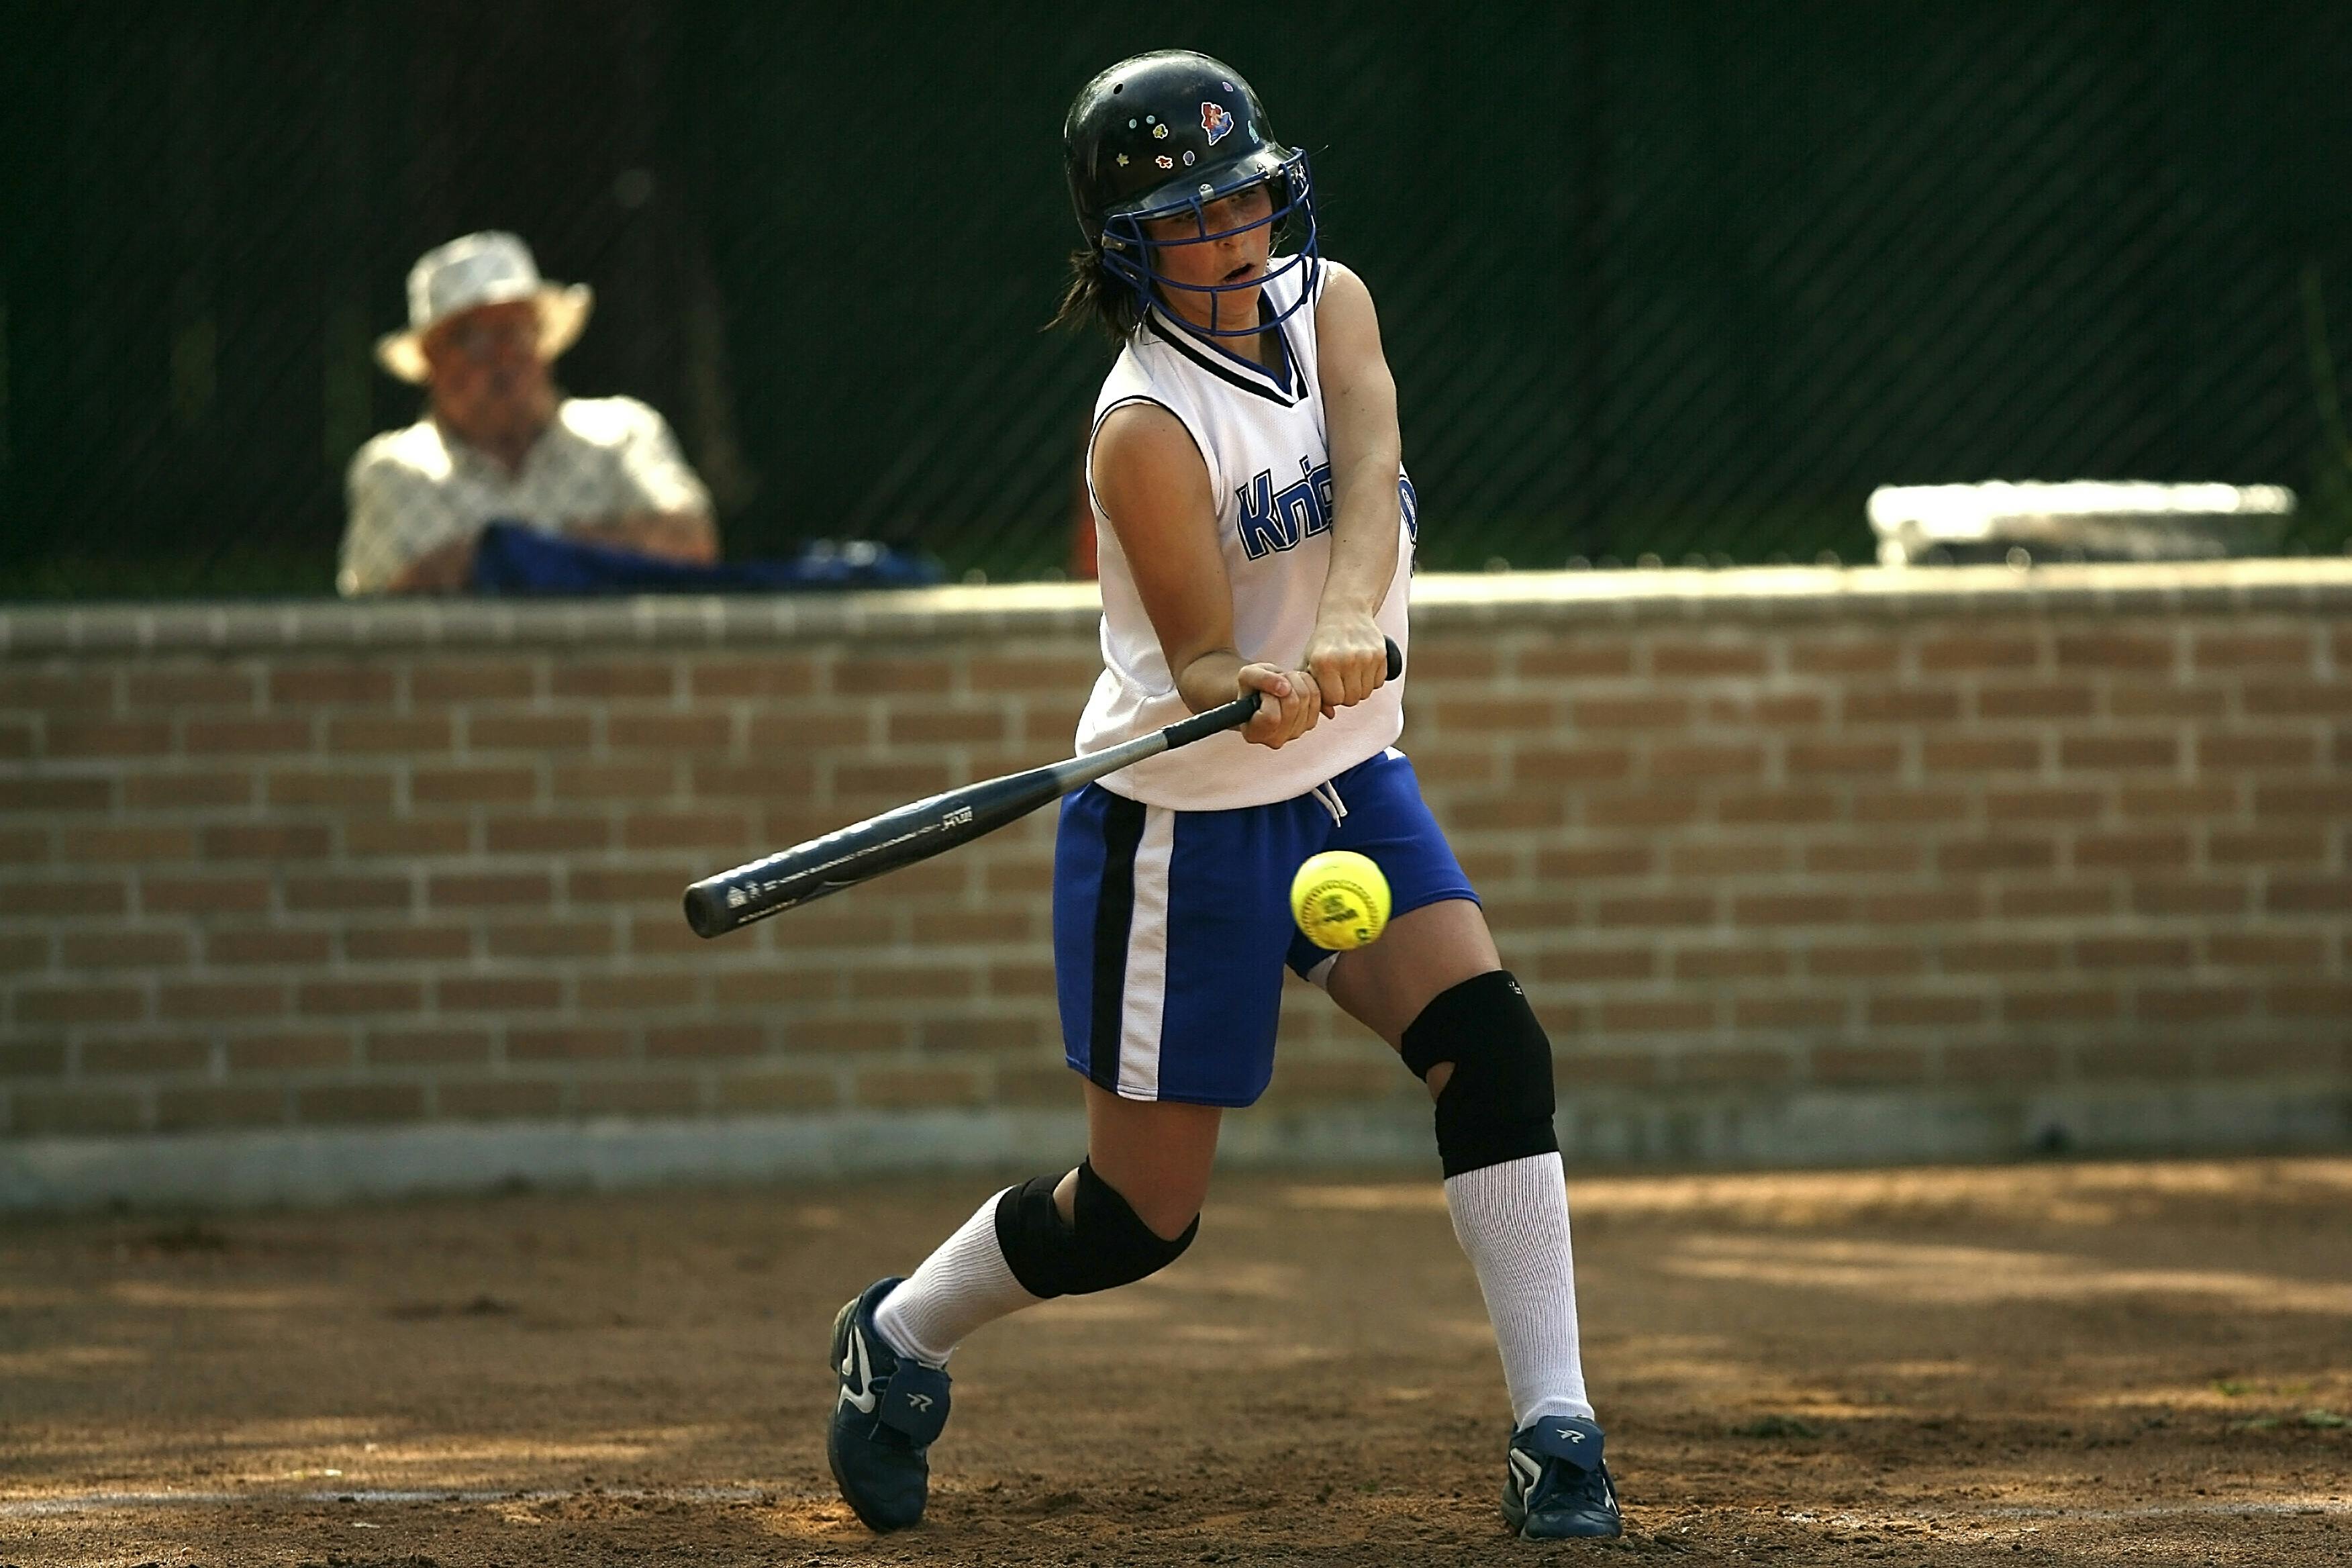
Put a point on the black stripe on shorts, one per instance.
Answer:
(1114, 913)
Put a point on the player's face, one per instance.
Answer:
(1239, 240)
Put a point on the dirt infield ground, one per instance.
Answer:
(2080, 1363)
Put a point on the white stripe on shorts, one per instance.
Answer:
(1146, 995)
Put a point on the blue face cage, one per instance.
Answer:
(1127, 253)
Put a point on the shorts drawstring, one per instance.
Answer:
(1328, 792)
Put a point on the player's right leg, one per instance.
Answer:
(1129, 1210)
(1150, 965)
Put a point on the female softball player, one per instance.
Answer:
(1254, 532)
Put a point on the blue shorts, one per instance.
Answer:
(1171, 927)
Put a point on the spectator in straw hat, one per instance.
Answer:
(500, 441)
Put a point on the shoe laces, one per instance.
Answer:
(1570, 1486)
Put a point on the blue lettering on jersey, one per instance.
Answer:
(1278, 520)
(1259, 532)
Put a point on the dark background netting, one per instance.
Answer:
(1656, 277)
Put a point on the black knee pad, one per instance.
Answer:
(1103, 1246)
(1498, 1105)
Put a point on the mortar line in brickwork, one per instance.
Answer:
(1802, 594)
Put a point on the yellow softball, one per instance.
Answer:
(1339, 899)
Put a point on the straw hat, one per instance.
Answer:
(487, 269)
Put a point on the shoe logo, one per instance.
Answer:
(1571, 1434)
(1526, 1470)
(856, 1366)
(920, 1401)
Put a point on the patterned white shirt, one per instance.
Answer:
(415, 490)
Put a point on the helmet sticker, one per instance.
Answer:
(1164, 161)
(1217, 121)
(1188, 158)
(1122, 160)
(1161, 132)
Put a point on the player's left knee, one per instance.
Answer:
(1498, 1105)
(1101, 1246)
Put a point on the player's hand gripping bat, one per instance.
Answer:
(928, 828)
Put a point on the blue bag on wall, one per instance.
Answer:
(515, 559)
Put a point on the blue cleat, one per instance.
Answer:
(1556, 1486)
(885, 1418)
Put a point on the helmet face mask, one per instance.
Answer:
(1170, 133)
(1131, 254)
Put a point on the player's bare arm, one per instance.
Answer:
(1154, 490)
(1360, 405)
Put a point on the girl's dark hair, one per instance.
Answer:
(1094, 297)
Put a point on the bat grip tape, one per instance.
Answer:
(1243, 709)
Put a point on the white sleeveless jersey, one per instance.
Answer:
(1263, 435)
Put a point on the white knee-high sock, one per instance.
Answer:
(964, 1284)
(1512, 1220)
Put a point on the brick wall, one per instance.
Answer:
(1854, 840)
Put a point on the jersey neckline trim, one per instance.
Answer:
(1247, 374)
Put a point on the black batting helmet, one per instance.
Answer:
(1169, 132)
